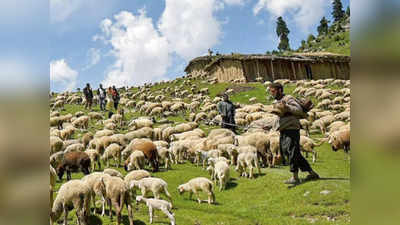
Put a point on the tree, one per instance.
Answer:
(282, 31)
(310, 38)
(348, 11)
(323, 27)
(338, 12)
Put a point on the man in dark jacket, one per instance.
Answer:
(289, 126)
(227, 110)
(102, 97)
(87, 91)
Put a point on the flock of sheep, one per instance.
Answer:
(144, 142)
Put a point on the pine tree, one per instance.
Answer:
(348, 11)
(282, 31)
(338, 12)
(323, 27)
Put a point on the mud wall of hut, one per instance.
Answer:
(227, 70)
(197, 69)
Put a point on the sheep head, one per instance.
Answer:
(181, 189)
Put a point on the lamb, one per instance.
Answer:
(136, 161)
(163, 155)
(117, 194)
(112, 151)
(162, 205)
(56, 159)
(75, 148)
(74, 193)
(81, 122)
(307, 145)
(247, 159)
(56, 122)
(86, 138)
(153, 184)
(198, 184)
(150, 151)
(73, 161)
(221, 170)
(113, 173)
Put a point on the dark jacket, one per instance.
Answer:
(226, 109)
(291, 120)
(115, 95)
(88, 92)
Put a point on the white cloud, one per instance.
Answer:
(234, 2)
(61, 73)
(141, 52)
(190, 26)
(94, 58)
(304, 13)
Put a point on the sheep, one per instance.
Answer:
(340, 140)
(56, 144)
(247, 160)
(56, 159)
(112, 151)
(116, 193)
(86, 138)
(53, 178)
(113, 173)
(92, 181)
(73, 161)
(140, 123)
(145, 132)
(196, 133)
(163, 155)
(150, 151)
(198, 184)
(136, 161)
(221, 170)
(153, 184)
(73, 193)
(136, 175)
(56, 122)
(95, 115)
(102, 133)
(67, 133)
(162, 205)
(307, 145)
(110, 126)
(75, 148)
(81, 122)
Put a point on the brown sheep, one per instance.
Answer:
(71, 162)
(150, 152)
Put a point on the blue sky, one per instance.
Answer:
(129, 42)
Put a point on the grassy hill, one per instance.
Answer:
(264, 200)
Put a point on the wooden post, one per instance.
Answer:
(258, 72)
(299, 65)
(272, 69)
(294, 71)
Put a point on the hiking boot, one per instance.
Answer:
(292, 181)
(312, 176)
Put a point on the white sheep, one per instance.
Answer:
(136, 161)
(75, 148)
(222, 173)
(198, 184)
(94, 157)
(73, 193)
(113, 173)
(56, 144)
(162, 205)
(247, 160)
(153, 184)
(93, 181)
(112, 151)
(164, 156)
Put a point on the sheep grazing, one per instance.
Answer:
(53, 178)
(116, 193)
(92, 181)
(162, 205)
(150, 151)
(247, 160)
(94, 157)
(136, 161)
(71, 162)
(56, 144)
(56, 159)
(112, 151)
(86, 138)
(76, 194)
(153, 184)
(340, 140)
(198, 184)
(75, 148)
(164, 157)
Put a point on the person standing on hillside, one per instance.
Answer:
(289, 126)
(102, 97)
(87, 91)
(115, 96)
(227, 110)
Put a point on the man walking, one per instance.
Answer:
(102, 97)
(227, 110)
(115, 96)
(87, 91)
(289, 127)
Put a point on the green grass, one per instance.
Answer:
(264, 200)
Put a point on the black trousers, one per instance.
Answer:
(230, 120)
(290, 149)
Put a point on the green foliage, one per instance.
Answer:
(282, 31)
(337, 12)
(323, 27)
(348, 11)
(310, 38)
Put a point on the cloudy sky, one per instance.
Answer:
(129, 42)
